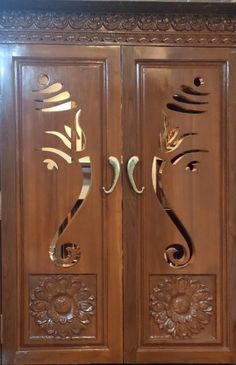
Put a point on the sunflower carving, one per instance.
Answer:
(62, 306)
(181, 306)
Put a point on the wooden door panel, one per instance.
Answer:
(67, 119)
(187, 172)
(176, 229)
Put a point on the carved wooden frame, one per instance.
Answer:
(155, 28)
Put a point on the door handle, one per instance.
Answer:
(114, 162)
(130, 170)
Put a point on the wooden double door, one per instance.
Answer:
(118, 188)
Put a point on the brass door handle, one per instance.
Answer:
(130, 170)
(114, 162)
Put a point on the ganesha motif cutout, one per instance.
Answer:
(178, 254)
(53, 98)
(181, 306)
(62, 306)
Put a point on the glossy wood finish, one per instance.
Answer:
(184, 315)
(40, 305)
(167, 319)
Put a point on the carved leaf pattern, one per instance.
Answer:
(181, 306)
(156, 28)
(122, 21)
(62, 306)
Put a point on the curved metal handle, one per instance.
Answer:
(114, 162)
(130, 170)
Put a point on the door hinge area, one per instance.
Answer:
(1, 328)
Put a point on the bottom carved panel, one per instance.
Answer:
(62, 307)
(182, 307)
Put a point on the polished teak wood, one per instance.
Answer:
(167, 294)
(49, 298)
(152, 279)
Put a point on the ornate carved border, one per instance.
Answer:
(122, 28)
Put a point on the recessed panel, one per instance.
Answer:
(180, 113)
(182, 308)
(62, 307)
(61, 202)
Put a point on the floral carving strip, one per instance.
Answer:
(181, 306)
(56, 27)
(123, 38)
(113, 21)
(62, 306)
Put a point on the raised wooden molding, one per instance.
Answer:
(123, 28)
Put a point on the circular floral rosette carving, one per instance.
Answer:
(181, 306)
(62, 306)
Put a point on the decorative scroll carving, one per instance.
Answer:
(70, 252)
(62, 306)
(177, 254)
(181, 306)
(51, 27)
(64, 254)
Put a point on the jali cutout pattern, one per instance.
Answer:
(52, 98)
(177, 255)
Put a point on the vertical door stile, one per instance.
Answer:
(131, 246)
